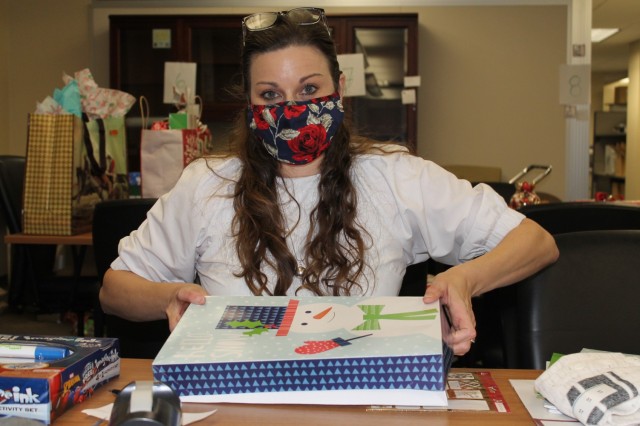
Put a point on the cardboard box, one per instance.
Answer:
(42, 390)
(308, 350)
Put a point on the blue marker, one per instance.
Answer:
(36, 352)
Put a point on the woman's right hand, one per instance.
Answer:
(135, 298)
(184, 295)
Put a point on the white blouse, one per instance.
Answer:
(411, 208)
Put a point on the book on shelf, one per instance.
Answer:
(308, 350)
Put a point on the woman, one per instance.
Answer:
(304, 208)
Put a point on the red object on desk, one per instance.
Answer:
(603, 196)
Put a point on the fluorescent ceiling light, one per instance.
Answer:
(600, 34)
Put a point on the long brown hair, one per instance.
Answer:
(335, 244)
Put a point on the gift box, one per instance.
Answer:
(313, 350)
(63, 372)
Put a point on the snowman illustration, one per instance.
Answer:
(381, 316)
(373, 317)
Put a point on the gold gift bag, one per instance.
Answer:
(55, 201)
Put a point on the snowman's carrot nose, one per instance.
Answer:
(320, 315)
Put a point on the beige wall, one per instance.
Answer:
(4, 76)
(45, 39)
(4, 111)
(490, 88)
(489, 92)
(632, 181)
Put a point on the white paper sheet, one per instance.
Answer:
(345, 397)
(535, 404)
(104, 413)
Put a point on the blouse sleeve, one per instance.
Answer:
(164, 247)
(448, 219)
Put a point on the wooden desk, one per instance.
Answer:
(78, 244)
(85, 239)
(311, 415)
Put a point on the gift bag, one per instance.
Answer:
(52, 201)
(69, 169)
(163, 156)
(164, 153)
(106, 151)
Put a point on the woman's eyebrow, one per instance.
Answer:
(267, 83)
(305, 78)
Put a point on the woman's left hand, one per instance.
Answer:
(524, 250)
(450, 288)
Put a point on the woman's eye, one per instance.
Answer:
(309, 90)
(269, 95)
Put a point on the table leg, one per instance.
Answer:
(78, 253)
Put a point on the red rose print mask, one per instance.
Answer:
(297, 132)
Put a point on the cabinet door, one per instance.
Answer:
(389, 46)
(139, 49)
(215, 43)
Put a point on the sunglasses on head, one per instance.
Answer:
(265, 20)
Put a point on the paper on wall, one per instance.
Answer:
(179, 80)
(352, 66)
(408, 96)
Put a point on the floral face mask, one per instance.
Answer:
(297, 132)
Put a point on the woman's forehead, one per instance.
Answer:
(289, 60)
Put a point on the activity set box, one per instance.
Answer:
(43, 376)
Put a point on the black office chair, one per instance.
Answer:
(31, 265)
(113, 220)
(556, 218)
(414, 282)
(587, 299)
(559, 218)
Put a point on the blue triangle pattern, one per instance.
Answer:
(408, 372)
